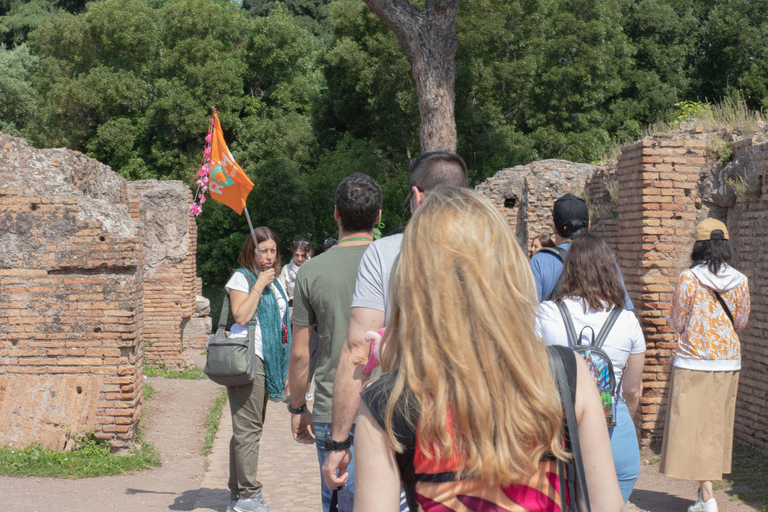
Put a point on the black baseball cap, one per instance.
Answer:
(568, 208)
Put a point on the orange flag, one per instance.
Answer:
(229, 184)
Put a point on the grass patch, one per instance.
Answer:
(93, 458)
(149, 391)
(191, 373)
(749, 478)
(213, 420)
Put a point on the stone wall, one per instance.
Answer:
(82, 284)
(170, 286)
(525, 194)
(71, 272)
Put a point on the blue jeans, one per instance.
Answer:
(323, 430)
(626, 452)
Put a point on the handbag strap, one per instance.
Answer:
(573, 428)
(224, 313)
(725, 307)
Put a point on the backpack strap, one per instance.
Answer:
(607, 326)
(725, 307)
(556, 361)
(573, 338)
(558, 252)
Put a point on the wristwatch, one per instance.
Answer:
(297, 411)
(331, 445)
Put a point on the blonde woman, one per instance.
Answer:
(469, 415)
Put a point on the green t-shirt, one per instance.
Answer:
(323, 295)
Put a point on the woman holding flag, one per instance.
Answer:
(256, 294)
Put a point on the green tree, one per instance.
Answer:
(17, 97)
(311, 15)
(19, 17)
(732, 54)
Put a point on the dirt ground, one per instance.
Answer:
(655, 492)
(289, 471)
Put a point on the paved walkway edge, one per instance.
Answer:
(213, 488)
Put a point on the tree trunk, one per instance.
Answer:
(429, 40)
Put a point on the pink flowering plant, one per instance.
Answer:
(203, 176)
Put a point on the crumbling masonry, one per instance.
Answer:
(86, 292)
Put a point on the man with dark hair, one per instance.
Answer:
(370, 309)
(570, 216)
(323, 295)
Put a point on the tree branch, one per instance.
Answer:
(401, 16)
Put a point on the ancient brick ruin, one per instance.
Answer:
(84, 287)
(646, 206)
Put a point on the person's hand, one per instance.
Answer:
(265, 278)
(336, 460)
(301, 424)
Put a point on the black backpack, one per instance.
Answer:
(597, 360)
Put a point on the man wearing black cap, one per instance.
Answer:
(570, 216)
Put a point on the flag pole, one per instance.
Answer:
(253, 234)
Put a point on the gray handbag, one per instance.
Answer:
(231, 361)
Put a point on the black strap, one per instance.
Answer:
(558, 252)
(725, 307)
(573, 429)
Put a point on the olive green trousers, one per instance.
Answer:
(248, 405)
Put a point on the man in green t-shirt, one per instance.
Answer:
(323, 295)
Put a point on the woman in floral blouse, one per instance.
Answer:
(710, 305)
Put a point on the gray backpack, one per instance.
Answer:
(231, 361)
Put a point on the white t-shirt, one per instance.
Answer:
(625, 338)
(372, 287)
(240, 283)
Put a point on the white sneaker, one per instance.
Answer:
(309, 396)
(701, 506)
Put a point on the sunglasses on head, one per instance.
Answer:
(300, 244)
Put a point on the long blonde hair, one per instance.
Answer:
(462, 337)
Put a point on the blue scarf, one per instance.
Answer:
(275, 351)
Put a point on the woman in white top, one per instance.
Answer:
(256, 295)
(590, 288)
(301, 252)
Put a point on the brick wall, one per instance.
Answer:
(660, 184)
(748, 229)
(659, 207)
(170, 285)
(81, 285)
(71, 269)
